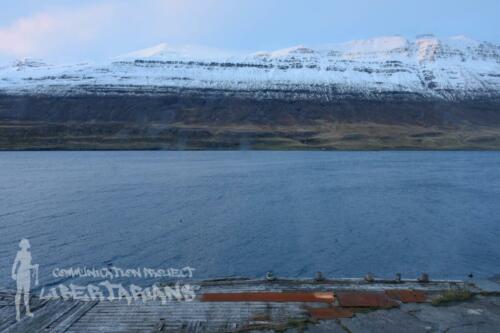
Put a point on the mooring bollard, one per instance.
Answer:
(424, 278)
(270, 276)
(319, 277)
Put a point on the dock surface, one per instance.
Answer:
(345, 306)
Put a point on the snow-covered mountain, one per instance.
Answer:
(451, 69)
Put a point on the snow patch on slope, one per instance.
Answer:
(165, 51)
(461, 42)
(291, 51)
(427, 66)
(373, 46)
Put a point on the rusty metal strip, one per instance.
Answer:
(407, 296)
(335, 312)
(321, 297)
(366, 300)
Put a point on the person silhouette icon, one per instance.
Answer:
(21, 273)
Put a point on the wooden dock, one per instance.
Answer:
(247, 306)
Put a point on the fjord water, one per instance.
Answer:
(245, 213)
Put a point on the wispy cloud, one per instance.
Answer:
(102, 29)
(50, 31)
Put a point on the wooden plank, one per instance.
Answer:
(65, 324)
(43, 317)
(118, 317)
(193, 327)
(160, 326)
(7, 317)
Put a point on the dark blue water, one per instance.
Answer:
(244, 213)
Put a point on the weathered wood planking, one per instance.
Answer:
(179, 316)
(7, 317)
(65, 322)
(192, 317)
(44, 316)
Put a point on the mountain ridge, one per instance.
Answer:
(382, 93)
(425, 66)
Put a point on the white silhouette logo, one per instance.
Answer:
(21, 273)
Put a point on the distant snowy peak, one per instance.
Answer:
(430, 48)
(291, 51)
(461, 41)
(373, 45)
(159, 50)
(423, 48)
(165, 51)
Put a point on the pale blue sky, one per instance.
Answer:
(98, 29)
